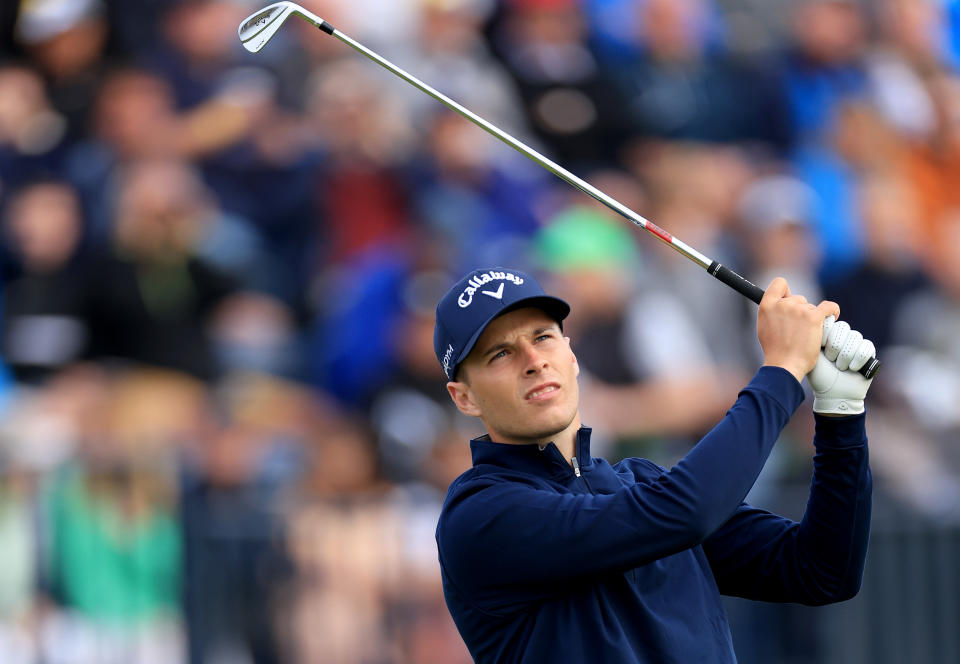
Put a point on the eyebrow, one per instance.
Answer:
(535, 333)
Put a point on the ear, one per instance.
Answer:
(463, 398)
(576, 365)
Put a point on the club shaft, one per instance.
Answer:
(532, 154)
(720, 272)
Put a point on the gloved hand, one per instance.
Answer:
(837, 387)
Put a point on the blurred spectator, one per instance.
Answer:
(693, 192)
(133, 119)
(363, 227)
(33, 135)
(136, 118)
(134, 29)
(411, 414)
(338, 607)
(569, 103)
(350, 349)
(367, 586)
(115, 545)
(37, 433)
(777, 212)
(152, 298)
(365, 136)
(482, 200)
(172, 190)
(872, 294)
(20, 556)
(675, 89)
(200, 51)
(612, 29)
(66, 39)
(908, 56)
(823, 65)
(450, 52)
(826, 83)
(860, 144)
(933, 160)
(252, 151)
(43, 327)
(237, 481)
(923, 365)
(934, 346)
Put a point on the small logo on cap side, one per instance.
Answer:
(446, 360)
(478, 281)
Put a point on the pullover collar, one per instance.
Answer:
(547, 462)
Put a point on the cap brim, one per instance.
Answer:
(552, 306)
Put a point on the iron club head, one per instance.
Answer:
(258, 28)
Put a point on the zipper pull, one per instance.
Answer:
(576, 466)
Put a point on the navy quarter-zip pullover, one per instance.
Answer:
(548, 560)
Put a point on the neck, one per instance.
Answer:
(565, 439)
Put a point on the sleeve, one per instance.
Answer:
(761, 556)
(497, 533)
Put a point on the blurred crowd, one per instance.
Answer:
(224, 436)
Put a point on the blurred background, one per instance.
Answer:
(224, 436)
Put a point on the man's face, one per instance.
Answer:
(520, 379)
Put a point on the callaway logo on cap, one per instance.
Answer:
(468, 307)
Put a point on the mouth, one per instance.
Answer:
(542, 392)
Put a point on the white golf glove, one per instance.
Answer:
(837, 387)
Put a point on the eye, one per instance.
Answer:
(546, 335)
(502, 353)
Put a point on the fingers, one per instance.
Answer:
(864, 352)
(828, 308)
(835, 340)
(850, 346)
(777, 290)
(830, 312)
(847, 347)
(827, 326)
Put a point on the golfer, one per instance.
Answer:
(551, 555)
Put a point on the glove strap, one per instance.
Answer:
(837, 406)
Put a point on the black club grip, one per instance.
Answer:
(752, 291)
(736, 282)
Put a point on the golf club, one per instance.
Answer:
(257, 29)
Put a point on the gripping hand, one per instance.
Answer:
(837, 387)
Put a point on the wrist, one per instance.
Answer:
(840, 432)
(837, 407)
(795, 371)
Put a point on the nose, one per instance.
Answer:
(534, 361)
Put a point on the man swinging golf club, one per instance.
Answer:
(551, 555)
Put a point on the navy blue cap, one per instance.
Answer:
(468, 307)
